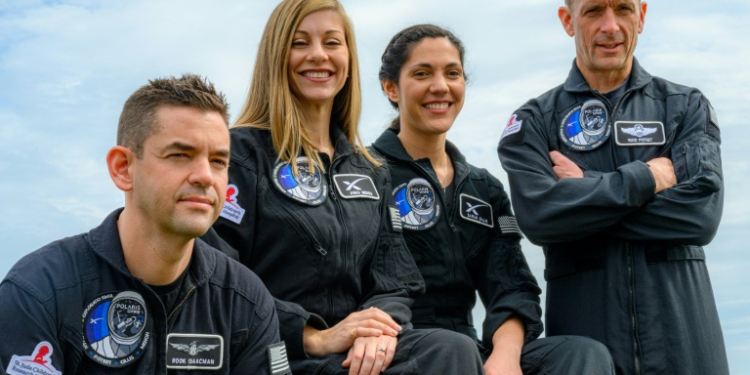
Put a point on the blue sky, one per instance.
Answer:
(67, 67)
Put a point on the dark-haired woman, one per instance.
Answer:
(307, 209)
(457, 219)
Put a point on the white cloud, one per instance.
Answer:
(86, 211)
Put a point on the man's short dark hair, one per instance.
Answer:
(138, 117)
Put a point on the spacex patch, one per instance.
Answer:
(355, 186)
(476, 210)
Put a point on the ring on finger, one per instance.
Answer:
(352, 333)
(382, 349)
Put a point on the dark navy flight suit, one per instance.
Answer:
(474, 246)
(66, 295)
(624, 266)
(326, 245)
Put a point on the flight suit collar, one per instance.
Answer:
(391, 147)
(575, 82)
(341, 144)
(104, 240)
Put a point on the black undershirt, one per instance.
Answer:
(170, 292)
(614, 96)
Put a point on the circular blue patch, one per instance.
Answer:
(586, 127)
(308, 188)
(116, 329)
(417, 203)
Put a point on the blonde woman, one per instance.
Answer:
(308, 209)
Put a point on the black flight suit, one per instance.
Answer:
(325, 246)
(475, 247)
(57, 296)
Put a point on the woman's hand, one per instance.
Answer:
(507, 343)
(371, 322)
(370, 355)
(500, 364)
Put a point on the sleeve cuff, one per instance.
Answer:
(528, 313)
(642, 184)
(292, 321)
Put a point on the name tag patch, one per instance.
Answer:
(639, 133)
(39, 362)
(232, 210)
(355, 186)
(476, 210)
(277, 360)
(194, 351)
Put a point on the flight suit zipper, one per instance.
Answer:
(345, 238)
(628, 251)
(633, 318)
(303, 224)
(449, 215)
(187, 295)
(426, 173)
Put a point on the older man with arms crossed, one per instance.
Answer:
(617, 174)
(139, 294)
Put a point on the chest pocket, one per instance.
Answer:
(361, 220)
(283, 214)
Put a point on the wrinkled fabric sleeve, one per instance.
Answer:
(688, 212)
(553, 211)
(292, 321)
(212, 238)
(291, 316)
(239, 236)
(506, 285)
(263, 333)
(393, 280)
(24, 324)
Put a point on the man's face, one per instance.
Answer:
(606, 33)
(180, 182)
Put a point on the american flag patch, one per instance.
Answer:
(395, 219)
(277, 360)
(508, 225)
(712, 116)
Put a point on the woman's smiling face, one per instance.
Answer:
(318, 58)
(431, 86)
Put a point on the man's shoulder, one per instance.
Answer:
(230, 274)
(248, 143)
(60, 264)
(546, 102)
(660, 87)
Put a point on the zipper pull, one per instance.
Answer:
(321, 250)
(332, 188)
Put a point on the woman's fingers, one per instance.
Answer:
(370, 355)
(381, 349)
(365, 332)
(380, 316)
(390, 351)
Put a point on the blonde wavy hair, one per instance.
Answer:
(270, 102)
